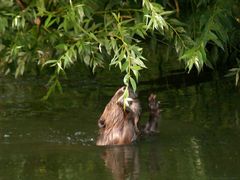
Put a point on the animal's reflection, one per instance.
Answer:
(122, 161)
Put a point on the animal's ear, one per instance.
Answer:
(121, 90)
(119, 95)
(101, 123)
(120, 100)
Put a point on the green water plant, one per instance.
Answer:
(55, 35)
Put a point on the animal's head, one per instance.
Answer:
(115, 111)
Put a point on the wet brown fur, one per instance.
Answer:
(118, 125)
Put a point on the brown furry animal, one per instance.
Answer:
(118, 125)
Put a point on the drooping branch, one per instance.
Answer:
(177, 7)
(21, 4)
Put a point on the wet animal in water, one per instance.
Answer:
(119, 125)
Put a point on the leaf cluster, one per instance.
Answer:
(57, 34)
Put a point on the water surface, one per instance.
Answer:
(198, 136)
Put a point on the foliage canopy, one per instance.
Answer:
(55, 34)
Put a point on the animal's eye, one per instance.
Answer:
(101, 123)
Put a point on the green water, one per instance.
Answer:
(199, 133)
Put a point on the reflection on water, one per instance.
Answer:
(197, 160)
(122, 161)
(198, 139)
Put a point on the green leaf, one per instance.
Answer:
(140, 63)
(140, 33)
(53, 61)
(136, 74)
(122, 55)
(124, 66)
(167, 13)
(94, 37)
(237, 78)
(125, 98)
(114, 45)
(187, 54)
(126, 79)
(59, 66)
(215, 39)
(86, 60)
(136, 67)
(59, 86)
(203, 53)
(116, 16)
(46, 24)
(62, 46)
(133, 84)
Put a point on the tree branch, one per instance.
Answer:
(21, 4)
